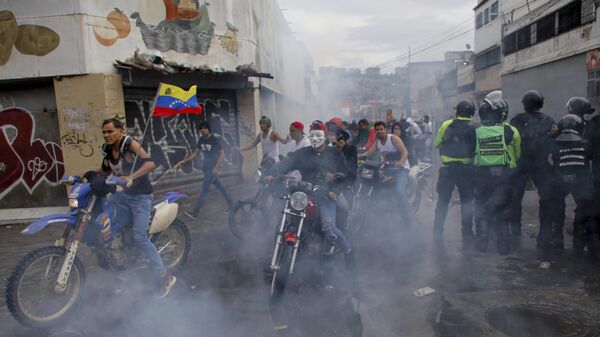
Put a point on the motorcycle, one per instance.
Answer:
(374, 175)
(299, 233)
(251, 215)
(46, 286)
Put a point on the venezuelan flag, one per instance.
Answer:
(172, 100)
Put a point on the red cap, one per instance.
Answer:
(337, 121)
(318, 125)
(298, 125)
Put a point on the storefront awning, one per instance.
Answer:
(146, 74)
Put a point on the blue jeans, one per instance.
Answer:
(135, 210)
(208, 180)
(401, 184)
(328, 216)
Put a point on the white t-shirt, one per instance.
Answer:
(270, 148)
(390, 148)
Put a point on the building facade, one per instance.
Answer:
(67, 65)
(554, 49)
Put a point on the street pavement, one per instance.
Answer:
(221, 291)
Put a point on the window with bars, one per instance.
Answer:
(494, 11)
(487, 58)
(545, 28)
(593, 84)
(568, 17)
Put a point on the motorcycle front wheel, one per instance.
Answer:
(245, 218)
(173, 245)
(30, 292)
(280, 275)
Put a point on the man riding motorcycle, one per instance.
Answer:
(312, 162)
(122, 153)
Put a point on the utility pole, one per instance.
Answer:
(408, 100)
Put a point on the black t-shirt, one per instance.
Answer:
(210, 148)
(123, 166)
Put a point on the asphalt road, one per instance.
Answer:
(221, 291)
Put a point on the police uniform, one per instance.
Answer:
(492, 184)
(456, 142)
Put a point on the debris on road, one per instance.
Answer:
(424, 291)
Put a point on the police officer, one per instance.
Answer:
(577, 106)
(570, 158)
(535, 129)
(514, 150)
(492, 176)
(456, 141)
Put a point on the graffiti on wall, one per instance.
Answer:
(115, 27)
(186, 28)
(79, 142)
(27, 39)
(26, 160)
(169, 139)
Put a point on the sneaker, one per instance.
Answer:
(167, 281)
(192, 215)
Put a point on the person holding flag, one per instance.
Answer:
(121, 153)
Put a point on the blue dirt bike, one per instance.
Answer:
(47, 284)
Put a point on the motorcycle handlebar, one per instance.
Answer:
(113, 181)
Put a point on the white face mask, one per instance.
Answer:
(317, 138)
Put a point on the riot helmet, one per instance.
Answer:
(491, 109)
(532, 101)
(570, 127)
(497, 95)
(579, 106)
(465, 108)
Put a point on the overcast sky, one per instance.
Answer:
(353, 33)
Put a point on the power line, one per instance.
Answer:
(445, 37)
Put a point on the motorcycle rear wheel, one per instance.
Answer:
(30, 295)
(280, 275)
(246, 218)
(173, 245)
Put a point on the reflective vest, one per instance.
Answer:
(491, 148)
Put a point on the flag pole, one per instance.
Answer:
(148, 122)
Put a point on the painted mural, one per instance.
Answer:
(117, 26)
(186, 28)
(27, 39)
(229, 40)
(26, 160)
(169, 139)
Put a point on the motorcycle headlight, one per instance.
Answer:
(367, 173)
(73, 203)
(298, 201)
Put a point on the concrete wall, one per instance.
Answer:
(488, 79)
(557, 81)
(83, 102)
(228, 33)
(31, 160)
